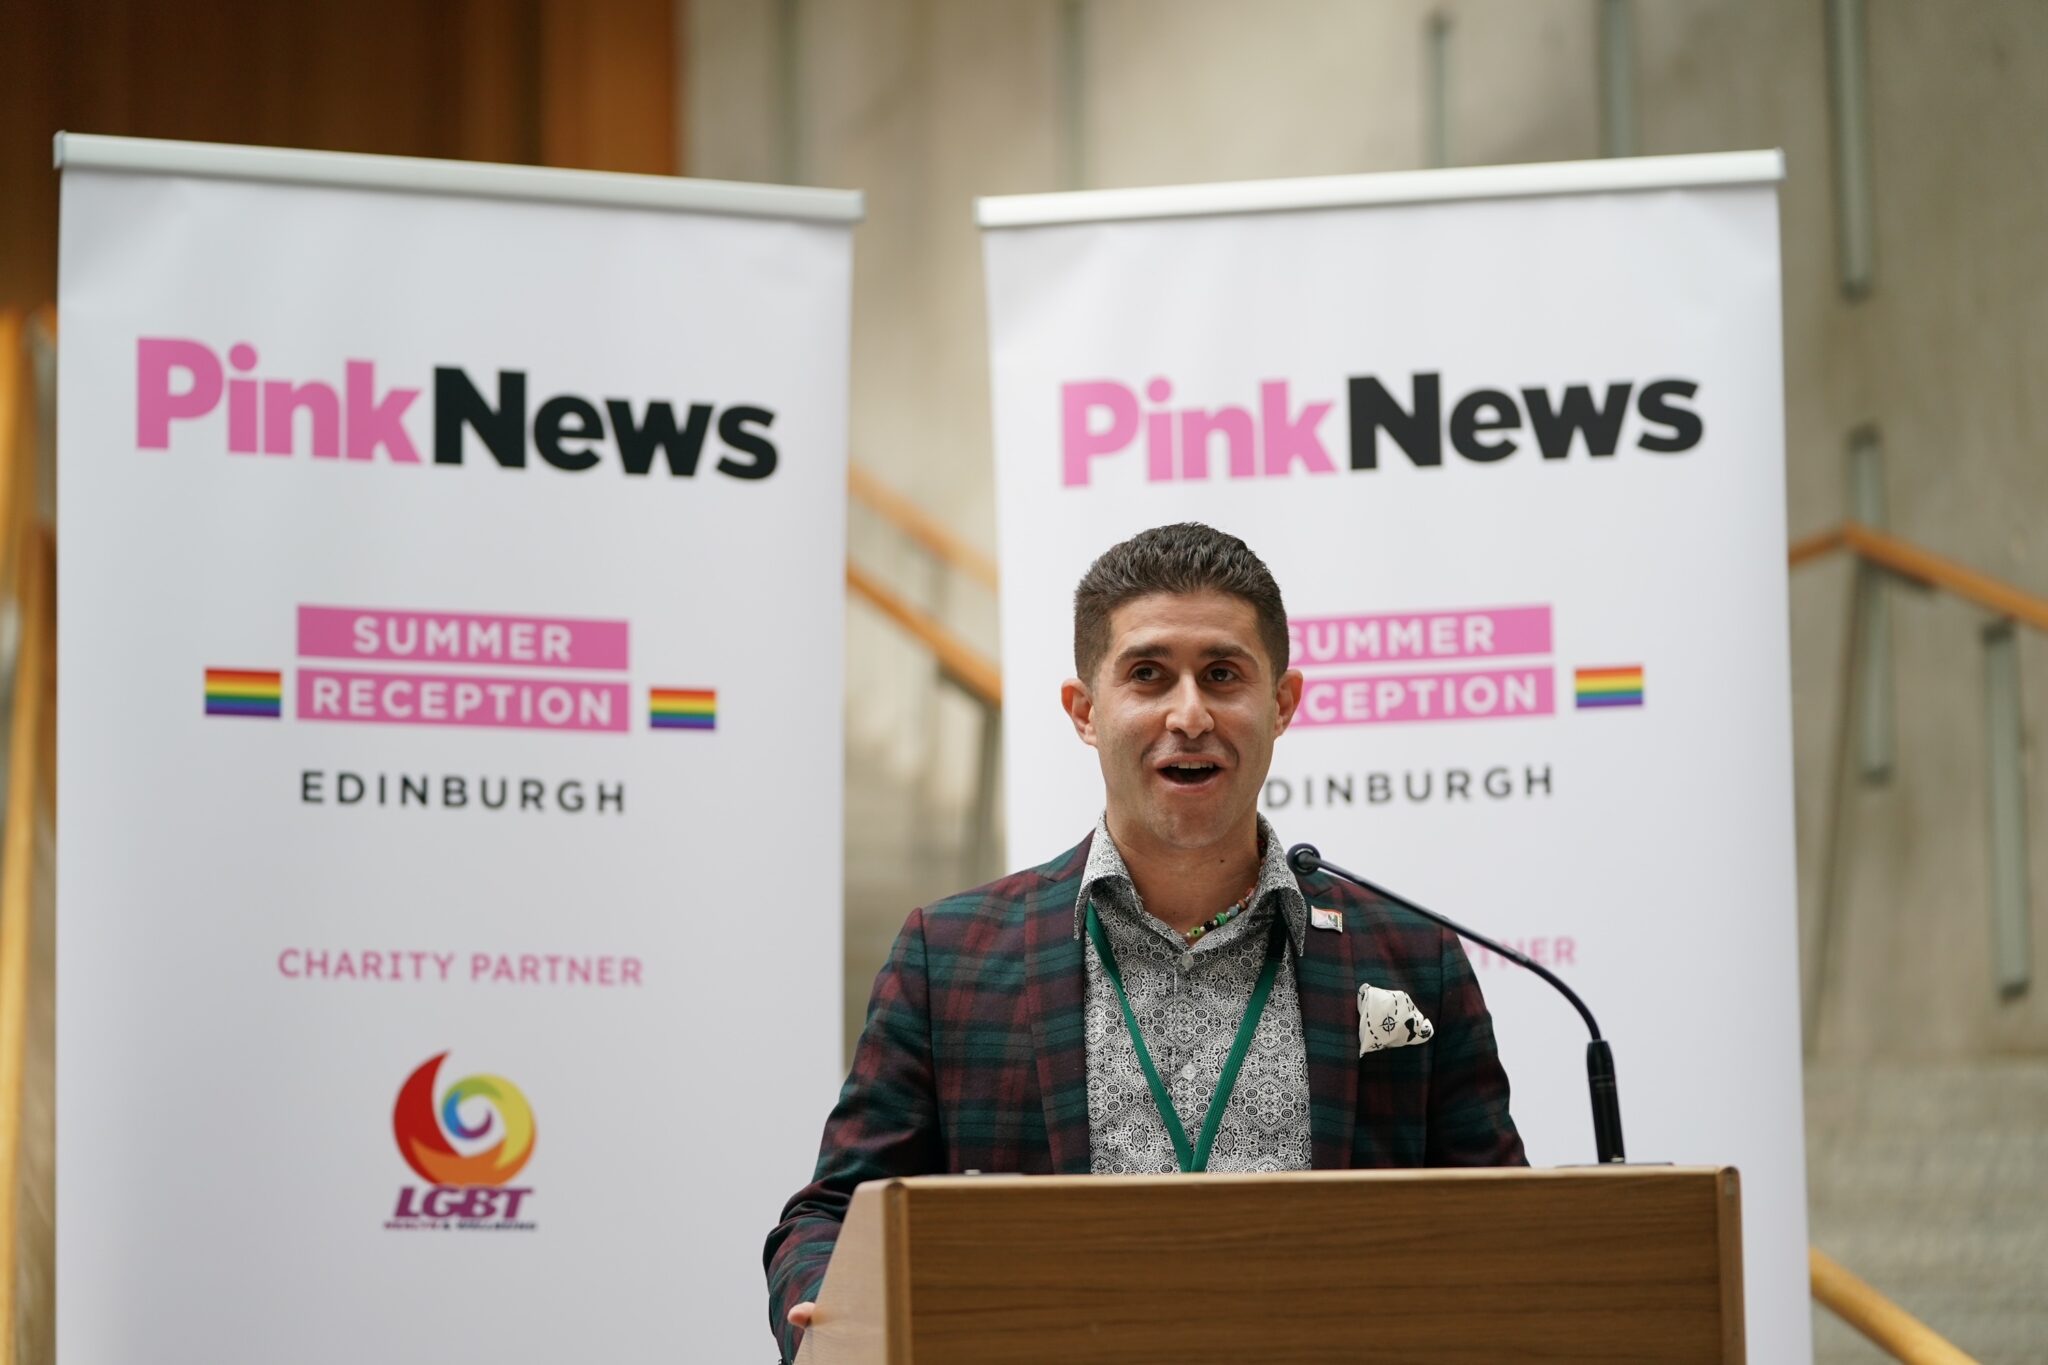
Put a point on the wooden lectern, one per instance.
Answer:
(1618, 1263)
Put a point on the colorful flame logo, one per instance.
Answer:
(423, 1139)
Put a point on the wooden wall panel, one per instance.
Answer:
(547, 82)
(606, 66)
(28, 193)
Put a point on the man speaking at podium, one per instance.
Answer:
(1166, 995)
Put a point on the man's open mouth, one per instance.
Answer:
(1189, 772)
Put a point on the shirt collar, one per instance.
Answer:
(1106, 864)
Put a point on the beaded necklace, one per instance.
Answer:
(1224, 917)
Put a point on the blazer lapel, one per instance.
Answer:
(1055, 989)
(1329, 1020)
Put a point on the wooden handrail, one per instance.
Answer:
(1894, 1330)
(1814, 546)
(17, 838)
(27, 576)
(921, 526)
(33, 679)
(961, 663)
(1908, 560)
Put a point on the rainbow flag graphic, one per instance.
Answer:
(244, 692)
(1618, 685)
(682, 708)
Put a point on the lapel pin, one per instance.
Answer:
(1326, 919)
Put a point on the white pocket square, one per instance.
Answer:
(1389, 1019)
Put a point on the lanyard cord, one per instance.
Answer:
(1197, 1158)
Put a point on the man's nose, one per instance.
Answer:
(1189, 714)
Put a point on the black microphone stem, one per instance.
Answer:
(1305, 859)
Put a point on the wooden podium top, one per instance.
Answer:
(1618, 1263)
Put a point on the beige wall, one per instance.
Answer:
(927, 103)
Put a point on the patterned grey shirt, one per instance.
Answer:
(1188, 1002)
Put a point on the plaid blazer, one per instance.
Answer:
(974, 1056)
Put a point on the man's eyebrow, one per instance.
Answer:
(1159, 649)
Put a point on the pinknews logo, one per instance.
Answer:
(1281, 435)
(1408, 653)
(183, 381)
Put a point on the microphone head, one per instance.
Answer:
(1304, 859)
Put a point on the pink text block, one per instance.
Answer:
(1397, 637)
(1398, 698)
(510, 703)
(449, 637)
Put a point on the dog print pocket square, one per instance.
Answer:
(1389, 1019)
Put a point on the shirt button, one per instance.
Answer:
(1186, 962)
(1187, 1073)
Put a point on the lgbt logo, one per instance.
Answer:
(423, 1135)
(1621, 685)
(682, 708)
(244, 692)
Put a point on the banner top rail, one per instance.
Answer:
(1386, 187)
(426, 175)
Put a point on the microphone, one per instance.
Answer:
(1305, 860)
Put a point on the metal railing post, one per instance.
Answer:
(1849, 99)
(1437, 91)
(790, 106)
(984, 853)
(1073, 94)
(1617, 78)
(1873, 661)
(2005, 758)
(1817, 957)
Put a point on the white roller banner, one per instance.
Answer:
(450, 726)
(1512, 442)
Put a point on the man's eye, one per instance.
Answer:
(1144, 673)
(1222, 673)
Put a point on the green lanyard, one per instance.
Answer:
(1198, 1158)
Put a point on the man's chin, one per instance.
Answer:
(1189, 831)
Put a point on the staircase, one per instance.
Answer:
(1931, 1181)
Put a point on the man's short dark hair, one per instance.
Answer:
(1186, 557)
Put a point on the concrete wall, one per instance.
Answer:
(925, 104)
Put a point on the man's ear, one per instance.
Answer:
(1080, 709)
(1288, 697)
